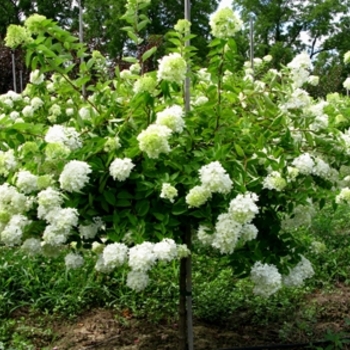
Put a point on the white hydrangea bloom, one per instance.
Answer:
(26, 181)
(142, 256)
(8, 162)
(73, 261)
(66, 136)
(84, 113)
(55, 110)
(168, 192)
(300, 61)
(90, 231)
(112, 144)
(224, 23)
(227, 233)
(50, 251)
(36, 78)
(199, 101)
(299, 273)
(13, 202)
(154, 140)
(267, 58)
(304, 163)
(171, 117)
(243, 208)
(13, 231)
(204, 237)
(343, 196)
(274, 181)
(321, 169)
(31, 246)
(297, 100)
(145, 84)
(313, 80)
(115, 254)
(165, 250)
(28, 111)
(172, 68)
(48, 199)
(266, 278)
(197, 196)
(347, 57)
(120, 169)
(214, 177)
(292, 173)
(137, 280)
(302, 216)
(74, 176)
(346, 84)
(14, 115)
(183, 251)
(62, 219)
(248, 232)
(36, 103)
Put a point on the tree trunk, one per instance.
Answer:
(185, 303)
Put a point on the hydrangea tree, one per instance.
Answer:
(130, 173)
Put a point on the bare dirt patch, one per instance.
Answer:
(108, 330)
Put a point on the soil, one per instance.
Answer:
(102, 329)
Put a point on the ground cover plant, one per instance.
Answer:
(129, 168)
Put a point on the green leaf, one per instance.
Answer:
(123, 203)
(110, 197)
(142, 207)
(149, 53)
(130, 59)
(125, 195)
(239, 150)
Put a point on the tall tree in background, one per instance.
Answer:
(286, 27)
(104, 26)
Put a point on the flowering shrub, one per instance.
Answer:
(125, 169)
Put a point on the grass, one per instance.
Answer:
(42, 286)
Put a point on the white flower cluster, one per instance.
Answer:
(243, 208)
(60, 220)
(298, 99)
(140, 258)
(172, 68)
(302, 216)
(343, 196)
(36, 78)
(90, 231)
(232, 226)
(31, 246)
(8, 162)
(67, 136)
(266, 278)
(224, 23)
(74, 176)
(306, 165)
(36, 103)
(145, 84)
(171, 117)
(274, 181)
(12, 202)
(73, 261)
(26, 181)
(214, 179)
(168, 192)
(346, 84)
(154, 140)
(299, 273)
(12, 232)
(299, 67)
(121, 168)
